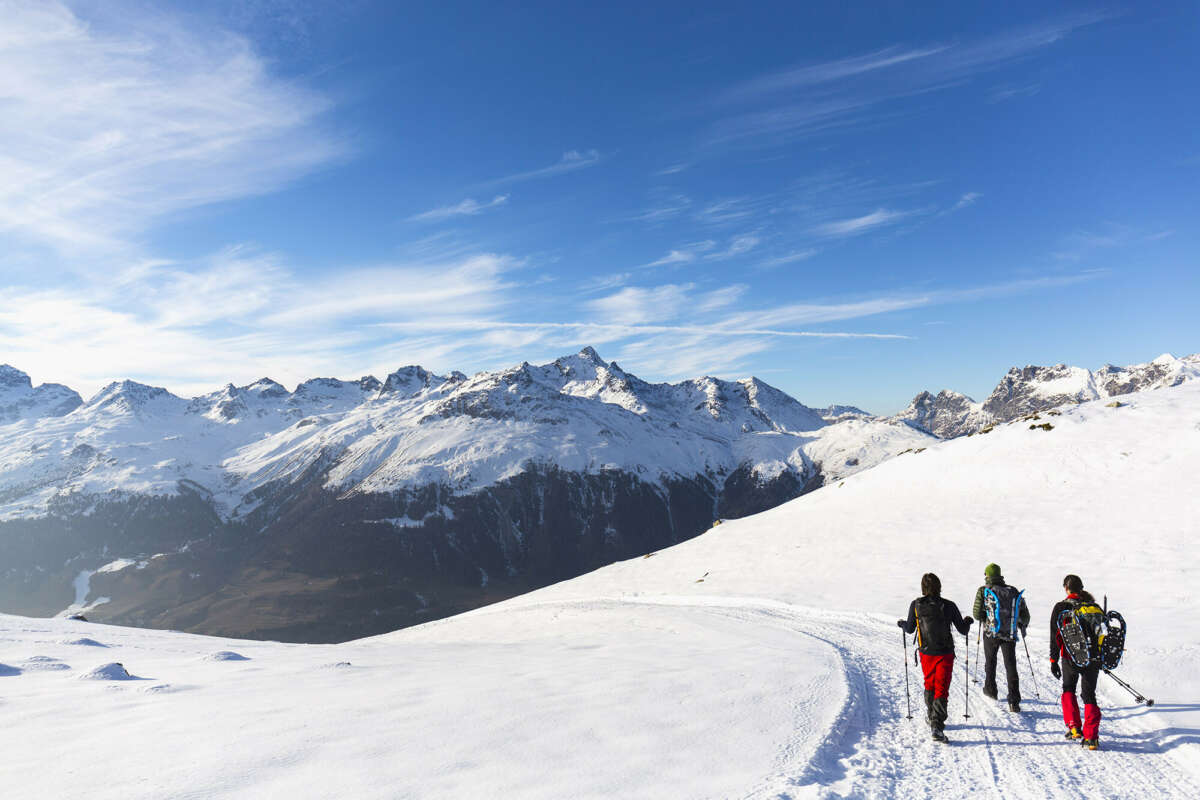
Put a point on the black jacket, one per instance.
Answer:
(936, 615)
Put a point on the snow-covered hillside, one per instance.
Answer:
(759, 659)
(1027, 390)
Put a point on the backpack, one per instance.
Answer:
(1002, 605)
(933, 629)
(1091, 635)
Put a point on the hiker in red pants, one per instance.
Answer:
(931, 616)
(1089, 729)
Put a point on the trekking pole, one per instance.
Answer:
(1130, 689)
(907, 694)
(967, 683)
(978, 636)
(1032, 674)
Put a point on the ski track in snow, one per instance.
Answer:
(871, 749)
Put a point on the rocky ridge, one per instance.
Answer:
(1030, 389)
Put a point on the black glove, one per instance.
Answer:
(1054, 669)
(900, 623)
(969, 621)
(1022, 627)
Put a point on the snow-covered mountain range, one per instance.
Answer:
(349, 507)
(1027, 390)
(404, 498)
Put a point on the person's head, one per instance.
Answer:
(992, 571)
(931, 585)
(1073, 584)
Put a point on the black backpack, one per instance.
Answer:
(933, 629)
(1002, 605)
(1092, 635)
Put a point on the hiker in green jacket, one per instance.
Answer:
(1002, 611)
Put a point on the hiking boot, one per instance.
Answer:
(1014, 707)
(991, 693)
(1090, 744)
(939, 735)
(1073, 733)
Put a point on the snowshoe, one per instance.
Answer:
(1112, 646)
(1075, 639)
(1073, 733)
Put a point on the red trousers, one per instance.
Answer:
(938, 671)
(1091, 716)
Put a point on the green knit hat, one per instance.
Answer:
(991, 571)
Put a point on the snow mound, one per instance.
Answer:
(44, 664)
(7, 671)
(226, 655)
(113, 671)
(160, 688)
(84, 641)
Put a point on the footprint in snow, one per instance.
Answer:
(226, 655)
(85, 641)
(113, 671)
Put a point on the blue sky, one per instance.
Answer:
(853, 201)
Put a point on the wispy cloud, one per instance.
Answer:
(967, 199)
(664, 209)
(858, 225)
(571, 161)
(727, 211)
(1002, 93)
(467, 208)
(1079, 244)
(674, 257)
(685, 254)
(674, 169)
(104, 133)
(822, 73)
(789, 258)
(832, 95)
(738, 246)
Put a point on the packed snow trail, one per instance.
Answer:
(872, 751)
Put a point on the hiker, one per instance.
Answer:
(1002, 612)
(1089, 731)
(931, 616)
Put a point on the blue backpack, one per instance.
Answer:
(1003, 607)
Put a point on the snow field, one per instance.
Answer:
(565, 701)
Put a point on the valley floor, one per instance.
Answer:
(671, 697)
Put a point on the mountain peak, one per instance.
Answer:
(11, 377)
(588, 353)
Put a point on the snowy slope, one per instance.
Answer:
(757, 660)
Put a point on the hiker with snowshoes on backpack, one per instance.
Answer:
(931, 616)
(1003, 617)
(1073, 643)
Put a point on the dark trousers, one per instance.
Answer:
(1009, 650)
